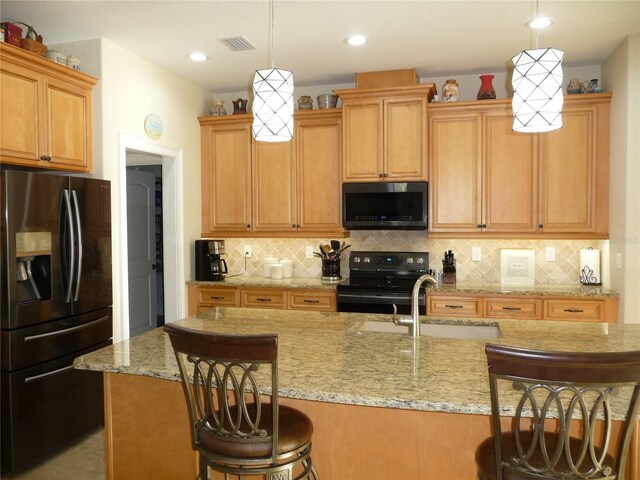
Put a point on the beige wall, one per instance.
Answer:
(621, 72)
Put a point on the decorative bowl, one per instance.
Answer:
(327, 100)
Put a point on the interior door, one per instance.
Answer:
(141, 251)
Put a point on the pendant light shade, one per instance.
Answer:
(272, 105)
(537, 90)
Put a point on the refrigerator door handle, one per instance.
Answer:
(42, 376)
(70, 238)
(76, 213)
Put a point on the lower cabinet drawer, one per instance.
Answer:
(263, 298)
(454, 306)
(325, 301)
(213, 297)
(512, 308)
(578, 310)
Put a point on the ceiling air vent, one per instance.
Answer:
(237, 44)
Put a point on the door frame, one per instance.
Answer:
(172, 231)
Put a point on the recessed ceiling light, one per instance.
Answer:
(356, 40)
(198, 56)
(540, 22)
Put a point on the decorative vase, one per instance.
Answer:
(239, 106)
(595, 88)
(305, 103)
(486, 91)
(217, 108)
(450, 91)
(574, 86)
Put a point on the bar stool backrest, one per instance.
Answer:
(220, 378)
(567, 387)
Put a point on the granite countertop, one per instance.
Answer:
(539, 289)
(328, 357)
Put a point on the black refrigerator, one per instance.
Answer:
(55, 304)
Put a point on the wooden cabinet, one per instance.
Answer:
(526, 307)
(263, 298)
(487, 179)
(512, 307)
(203, 297)
(384, 133)
(457, 306)
(272, 189)
(312, 300)
(226, 175)
(574, 170)
(45, 113)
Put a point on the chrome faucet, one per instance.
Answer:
(413, 322)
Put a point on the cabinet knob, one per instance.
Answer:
(381, 175)
(482, 225)
(385, 175)
(248, 225)
(540, 226)
(46, 158)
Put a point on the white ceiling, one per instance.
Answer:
(439, 38)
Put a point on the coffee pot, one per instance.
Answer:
(210, 266)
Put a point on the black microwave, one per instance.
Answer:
(384, 206)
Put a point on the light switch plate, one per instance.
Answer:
(247, 251)
(309, 251)
(476, 254)
(619, 261)
(550, 254)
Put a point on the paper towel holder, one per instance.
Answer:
(590, 267)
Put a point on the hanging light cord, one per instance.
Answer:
(271, 48)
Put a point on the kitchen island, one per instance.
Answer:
(383, 404)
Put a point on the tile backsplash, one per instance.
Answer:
(565, 268)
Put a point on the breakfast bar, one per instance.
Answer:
(384, 405)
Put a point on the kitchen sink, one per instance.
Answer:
(442, 330)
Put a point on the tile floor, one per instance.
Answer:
(81, 461)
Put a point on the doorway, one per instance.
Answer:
(144, 243)
(174, 301)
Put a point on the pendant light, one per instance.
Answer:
(537, 89)
(272, 99)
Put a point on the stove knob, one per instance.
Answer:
(356, 259)
(420, 260)
(410, 260)
(367, 260)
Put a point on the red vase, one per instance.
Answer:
(486, 88)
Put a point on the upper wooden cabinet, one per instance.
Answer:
(484, 178)
(384, 133)
(45, 113)
(272, 189)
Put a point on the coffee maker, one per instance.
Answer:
(210, 266)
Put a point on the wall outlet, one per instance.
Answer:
(476, 254)
(550, 254)
(619, 261)
(247, 251)
(309, 251)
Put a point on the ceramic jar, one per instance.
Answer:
(217, 108)
(574, 86)
(305, 103)
(266, 265)
(450, 91)
(287, 268)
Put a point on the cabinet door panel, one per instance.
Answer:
(404, 139)
(226, 178)
(68, 140)
(318, 149)
(273, 176)
(363, 135)
(455, 173)
(20, 123)
(510, 172)
(567, 173)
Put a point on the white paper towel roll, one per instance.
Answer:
(590, 267)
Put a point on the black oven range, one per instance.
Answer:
(378, 280)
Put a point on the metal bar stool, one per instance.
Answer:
(568, 388)
(233, 427)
